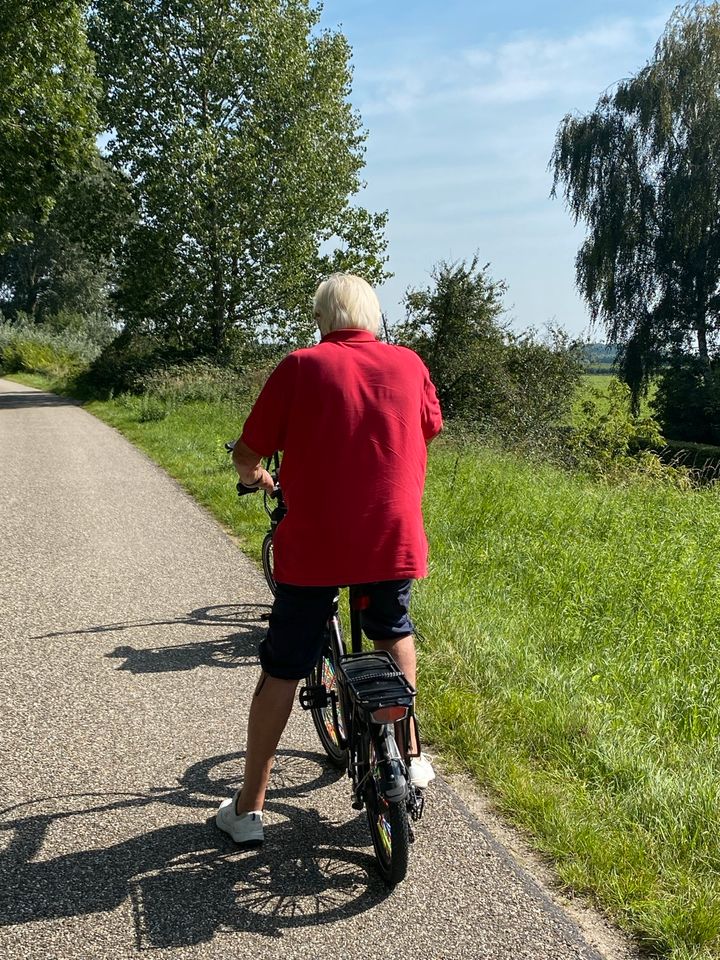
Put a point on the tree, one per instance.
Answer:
(642, 170)
(65, 263)
(233, 122)
(512, 384)
(687, 400)
(48, 119)
(454, 326)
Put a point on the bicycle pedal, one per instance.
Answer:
(316, 698)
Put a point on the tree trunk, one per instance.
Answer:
(701, 330)
(217, 306)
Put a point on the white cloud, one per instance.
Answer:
(523, 69)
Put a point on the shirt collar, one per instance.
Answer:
(348, 335)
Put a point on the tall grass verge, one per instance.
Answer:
(26, 348)
(573, 666)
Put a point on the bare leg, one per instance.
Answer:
(269, 712)
(402, 649)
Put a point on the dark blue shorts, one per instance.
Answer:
(295, 637)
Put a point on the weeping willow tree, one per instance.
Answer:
(642, 171)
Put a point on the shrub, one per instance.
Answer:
(519, 387)
(27, 348)
(687, 402)
(95, 328)
(611, 443)
(121, 365)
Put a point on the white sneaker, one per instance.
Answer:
(245, 828)
(420, 771)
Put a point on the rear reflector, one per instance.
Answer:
(389, 714)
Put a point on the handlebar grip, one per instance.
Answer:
(242, 489)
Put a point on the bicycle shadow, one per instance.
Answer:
(188, 881)
(238, 649)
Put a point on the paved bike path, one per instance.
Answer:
(128, 628)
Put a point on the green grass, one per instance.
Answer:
(571, 661)
(595, 386)
(575, 638)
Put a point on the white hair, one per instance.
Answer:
(345, 301)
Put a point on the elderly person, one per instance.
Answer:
(352, 416)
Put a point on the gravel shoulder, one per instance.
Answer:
(129, 629)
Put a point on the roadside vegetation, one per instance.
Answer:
(571, 625)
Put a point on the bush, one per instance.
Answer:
(687, 402)
(27, 348)
(615, 445)
(537, 385)
(95, 328)
(518, 387)
(122, 364)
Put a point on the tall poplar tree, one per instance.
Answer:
(233, 122)
(642, 171)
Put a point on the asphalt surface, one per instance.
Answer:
(128, 629)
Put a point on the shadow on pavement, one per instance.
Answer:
(22, 400)
(235, 650)
(188, 881)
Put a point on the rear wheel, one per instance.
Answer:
(268, 562)
(328, 721)
(389, 828)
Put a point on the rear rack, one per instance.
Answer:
(374, 680)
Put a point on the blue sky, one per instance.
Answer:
(462, 101)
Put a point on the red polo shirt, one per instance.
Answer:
(352, 416)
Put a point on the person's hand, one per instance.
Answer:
(259, 479)
(265, 481)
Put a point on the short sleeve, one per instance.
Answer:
(432, 421)
(265, 428)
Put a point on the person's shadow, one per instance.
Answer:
(188, 880)
(237, 649)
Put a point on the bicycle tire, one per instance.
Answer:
(389, 828)
(268, 562)
(325, 674)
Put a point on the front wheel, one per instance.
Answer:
(268, 563)
(389, 828)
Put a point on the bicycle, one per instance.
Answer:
(361, 705)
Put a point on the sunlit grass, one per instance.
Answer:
(573, 665)
(595, 386)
